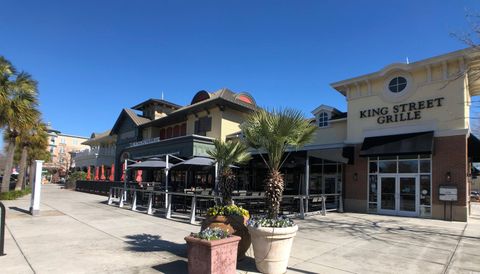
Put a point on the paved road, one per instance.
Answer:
(79, 233)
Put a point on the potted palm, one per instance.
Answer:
(212, 250)
(226, 215)
(272, 132)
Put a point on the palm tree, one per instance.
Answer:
(272, 132)
(18, 113)
(227, 154)
(29, 142)
(6, 72)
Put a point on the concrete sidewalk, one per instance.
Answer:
(79, 233)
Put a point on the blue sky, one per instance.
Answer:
(93, 58)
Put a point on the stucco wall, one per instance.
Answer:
(451, 118)
(335, 133)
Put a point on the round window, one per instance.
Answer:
(397, 84)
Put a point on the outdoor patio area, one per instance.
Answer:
(79, 233)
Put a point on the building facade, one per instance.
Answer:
(100, 152)
(61, 146)
(163, 127)
(409, 129)
(403, 147)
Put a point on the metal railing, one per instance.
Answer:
(194, 205)
(99, 187)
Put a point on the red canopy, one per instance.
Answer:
(88, 174)
(139, 176)
(96, 173)
(112, 172)
(102, 174)
(123, 172)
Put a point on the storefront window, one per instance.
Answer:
(373, 167)
(424, 166)
(408, 166)
(425, 190)
(372, 193)
(387, 166)
(410, 177)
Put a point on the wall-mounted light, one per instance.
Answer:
(355, 176)
(448, 176)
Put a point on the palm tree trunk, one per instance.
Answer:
(273, 192)
(23, 169)
(7, 173)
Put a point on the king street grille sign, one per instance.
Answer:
(401, 112)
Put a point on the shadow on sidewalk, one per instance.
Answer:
(19, 209)
(247, 265)
(153, 243)
(177, 266)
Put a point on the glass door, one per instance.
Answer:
(398, 195)
(387, 203)
(407, 193)
(330, 187)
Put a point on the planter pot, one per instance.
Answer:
(214, 257)
(236, 225)
(272, 246)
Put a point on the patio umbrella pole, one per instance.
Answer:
(125, 180)
(166, 182)
(216, 184)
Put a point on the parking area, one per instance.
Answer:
(79, 233)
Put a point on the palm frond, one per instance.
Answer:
(276, 130)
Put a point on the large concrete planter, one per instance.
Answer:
(271, 247)
(235, 225)
(212, 257)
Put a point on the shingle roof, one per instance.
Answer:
(158, 101)
(215, 98)
(138, 120)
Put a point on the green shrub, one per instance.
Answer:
(14, 194)
(74, 177)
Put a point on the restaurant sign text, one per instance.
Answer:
(401, 112)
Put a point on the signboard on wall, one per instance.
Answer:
(448, 193)
(401, 112)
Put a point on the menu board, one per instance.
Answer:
(448, 193)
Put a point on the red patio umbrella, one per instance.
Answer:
(123, 172)
(139, 176)
(102, 174)
(112, 172)
(88, 174)
(96, 173)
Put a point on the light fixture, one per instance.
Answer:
(355, 176)
(448, 176)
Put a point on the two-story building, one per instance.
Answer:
(101, 152)
(162, 127)
(409, 126)
(404, 147)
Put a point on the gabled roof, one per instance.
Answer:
(137, 120)
(101, 137)
(142, 105)
(223, 97)
(330, 109)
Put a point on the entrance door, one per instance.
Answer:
(407, 193)
(387, 195)
(330, 187)
(397, 195)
